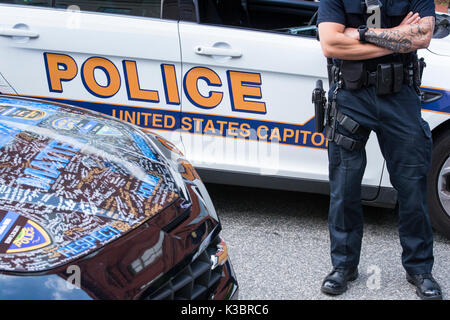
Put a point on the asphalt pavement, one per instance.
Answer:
(279, 246)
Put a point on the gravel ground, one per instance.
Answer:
(279, 246)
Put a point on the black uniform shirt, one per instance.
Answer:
(351, 13)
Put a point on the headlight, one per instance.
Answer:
(221, 255)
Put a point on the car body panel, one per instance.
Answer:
(97, 58)
(278, 137)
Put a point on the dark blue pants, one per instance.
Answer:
(405, 142)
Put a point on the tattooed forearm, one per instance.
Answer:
(404, 38)
(391, 39)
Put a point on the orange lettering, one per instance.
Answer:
(134, 90)
(60, 67)
(245, 85)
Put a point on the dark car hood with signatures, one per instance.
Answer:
(72, 181)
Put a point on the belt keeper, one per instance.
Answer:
(371, 79)
(347, 143)
(348, 123)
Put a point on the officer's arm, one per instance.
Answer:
(335, 44)
(404, 38)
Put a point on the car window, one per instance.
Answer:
(143, 8)
(166, 9)
(288, 16)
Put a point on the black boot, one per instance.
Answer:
(427, 287)
(335, 282)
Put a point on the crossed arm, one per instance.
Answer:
(404, 38)
(343, 43)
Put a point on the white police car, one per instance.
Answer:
(228, 81)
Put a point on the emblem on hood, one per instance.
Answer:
(19, 234)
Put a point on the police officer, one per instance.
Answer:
(375, 88)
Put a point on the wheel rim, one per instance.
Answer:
(443, 186)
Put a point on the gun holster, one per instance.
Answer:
(320, 102)
(418, 67)
(327, 117)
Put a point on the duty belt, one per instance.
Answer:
(353, 75)
(388, 78)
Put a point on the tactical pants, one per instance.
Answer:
(405, 142)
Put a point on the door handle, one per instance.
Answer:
(12, 32)
(212, 51)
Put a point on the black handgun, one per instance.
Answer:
(319, 99)
(418, 66)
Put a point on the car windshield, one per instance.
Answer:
(295, 17)
(289, 16)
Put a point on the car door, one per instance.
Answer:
(118, 58)
(246, 104)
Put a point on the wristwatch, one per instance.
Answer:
(362, 33)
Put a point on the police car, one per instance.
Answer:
(227, 81)
(94, 208)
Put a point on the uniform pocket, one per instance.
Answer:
(397, 7)
(428, 143)
(417, 153)
(426, 129)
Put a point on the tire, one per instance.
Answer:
(438, 189)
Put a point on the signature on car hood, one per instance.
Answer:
(72, 181)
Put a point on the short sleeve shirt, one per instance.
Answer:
(350, 12)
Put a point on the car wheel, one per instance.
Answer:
(438, 191)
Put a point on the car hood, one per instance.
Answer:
(72, 181)
(440, 46)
